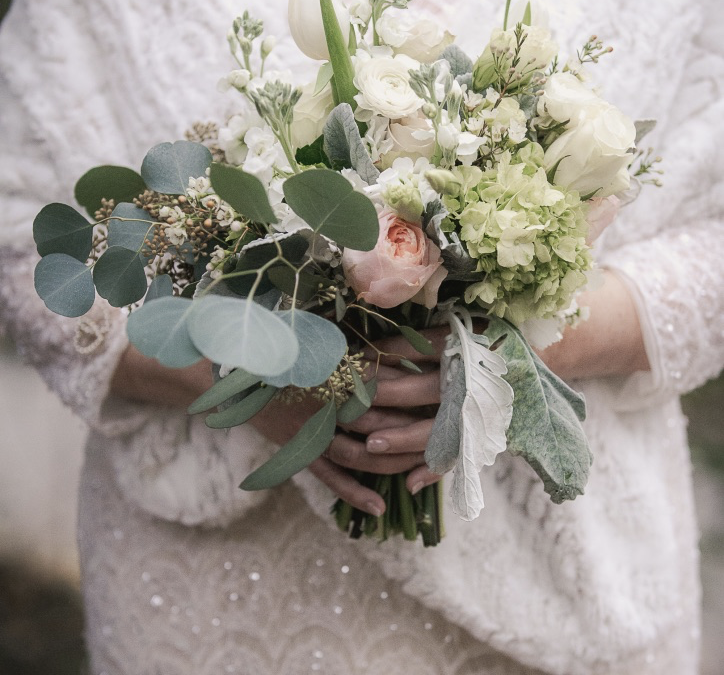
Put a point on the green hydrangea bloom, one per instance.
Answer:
(527, 235)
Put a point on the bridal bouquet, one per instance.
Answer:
(409, 186)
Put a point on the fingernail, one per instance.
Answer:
(375, 445)
(374, 509)
(417, 487)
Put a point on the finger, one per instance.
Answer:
(383, 372)
(380, 418)
(346, 487)
(352, 454)
(412, 438)
(419, 478)
(410, 391)
(397, 347)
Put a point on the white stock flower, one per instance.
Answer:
(305, 25)
(422, 40)
(594, 154)
(310, 114)
(236, 78)
(383, 82)
(360, 11)
(231, 137)
(566, 98)
(377, 139)
(264, 153)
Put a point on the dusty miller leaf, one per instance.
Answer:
(546, 426)
(443, 447)
(460, 62)
(643, 129)
(343, 144)
(486, 413)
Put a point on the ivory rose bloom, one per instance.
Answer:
(594, 154)
(310, 114)
(565, 98)
(601, 213)
(404, 265)
(422, 40)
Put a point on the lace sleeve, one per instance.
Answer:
(676, 275)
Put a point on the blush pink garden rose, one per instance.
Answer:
(602, 211)
(404, 265)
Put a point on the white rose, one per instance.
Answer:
(413, 136)
(384, 85)
(310, 114)
(537, 51)
(595, 154)
(566, 98)
(307, 29)
(422, 40)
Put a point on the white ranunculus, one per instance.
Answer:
(594, 154)
(422, 40)
(307, 29)
(384, 88)
(566, 98)
(310, 114)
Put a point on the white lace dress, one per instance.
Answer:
(184, 574)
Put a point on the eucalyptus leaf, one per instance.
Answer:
(360, 392)
(244, 191)
(343, 144)
(419, 342)
(234, 383)
(321, 347)
(443, 446)
(243, 411)
(64, 284)
(159, 330)
(243, 334)
(120, 277)
(311, 441)
(354, 408)
(161, 287)
(129, 227)
(59, 228)
(118, 183)
(406, 363)
(486, 413)
(460, 62)
(168, 166)
(328, 203)
(546, 425)
(307, 285)
(340, 306)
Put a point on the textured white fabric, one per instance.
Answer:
(601, 586)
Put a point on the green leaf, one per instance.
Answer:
(161, 287)
(58, 228)
(110, 182)
(120, 277)
(321, 347)
(340, 306)
(354, 408)
(245, 193)
(328, 203)
(419, 342)
(324, 76)
(133, 230)
(546, 426)
(65, 284)
(313, 154)
(405, 363)
(242, 411)
(527, 16)
(243, 334)
(460, 62)
(285, 279)
(168, 166)
(360, 391)
(234, 383)
(343, 144)
(443, 446)
(339, 56)
(159, 330)
(311, 441)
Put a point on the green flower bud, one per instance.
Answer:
(444, 182)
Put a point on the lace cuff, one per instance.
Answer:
(75, 357)
(676, 280)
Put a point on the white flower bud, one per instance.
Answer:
(268, 45)
(307, 29)
(239, 78)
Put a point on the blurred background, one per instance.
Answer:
(41, 617)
